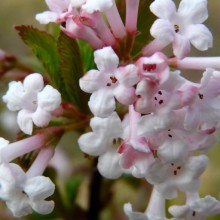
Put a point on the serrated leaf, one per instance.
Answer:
(44, 47)
(71, 68)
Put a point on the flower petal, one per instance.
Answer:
(24, 120)
(200, 36)
(102, 103)
(194, 11)
(99, 5)
(181, 46)
(41, 117)
(124, 94)
(49, 98)
(106, 59)
(108, 165)
(165, 9)
(39, 188)
(162, 30)
(91, 81)
(33, 82)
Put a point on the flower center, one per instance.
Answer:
(201, 96)
(113, 80)
(149, 67)
(176, 169)
(176, 28)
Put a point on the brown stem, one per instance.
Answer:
(95, 194)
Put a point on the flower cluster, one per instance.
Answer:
(171, 121)
(25, 191)
(149, 121)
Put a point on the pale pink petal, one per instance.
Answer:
(91, 143)
(102, 103)
(39, 187)
(91, 81)
(58, 6)
(47, 17)
(92, 6)
(128, 75)
(134, 215)
(165, 9)
(43, 207)
(179, 211)
(200, 36)
(125, 95)
(108, 165)
(194, 11)
(162, 30)
(106, 60)
(173, 151)
(181, 46)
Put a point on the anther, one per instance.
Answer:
(201, 96)
(113, 79)
(176, 28)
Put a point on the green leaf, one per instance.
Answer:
(71, 68)
(72, 188)
(87, 55)
(44, 47)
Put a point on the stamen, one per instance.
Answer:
(113, 79)
(201, 96)
(108, 84)
(149, 67)
(176, 28)
(194, 213)
(161, 102)
(160, 93)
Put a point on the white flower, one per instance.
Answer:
(108, 164)
(170, 177)
(181, 27)
(59, 11)
(92, 6)
(109, 82)
(22, 194)
(34, 102)
(198, 209)
(105, 133)
(204, 106)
